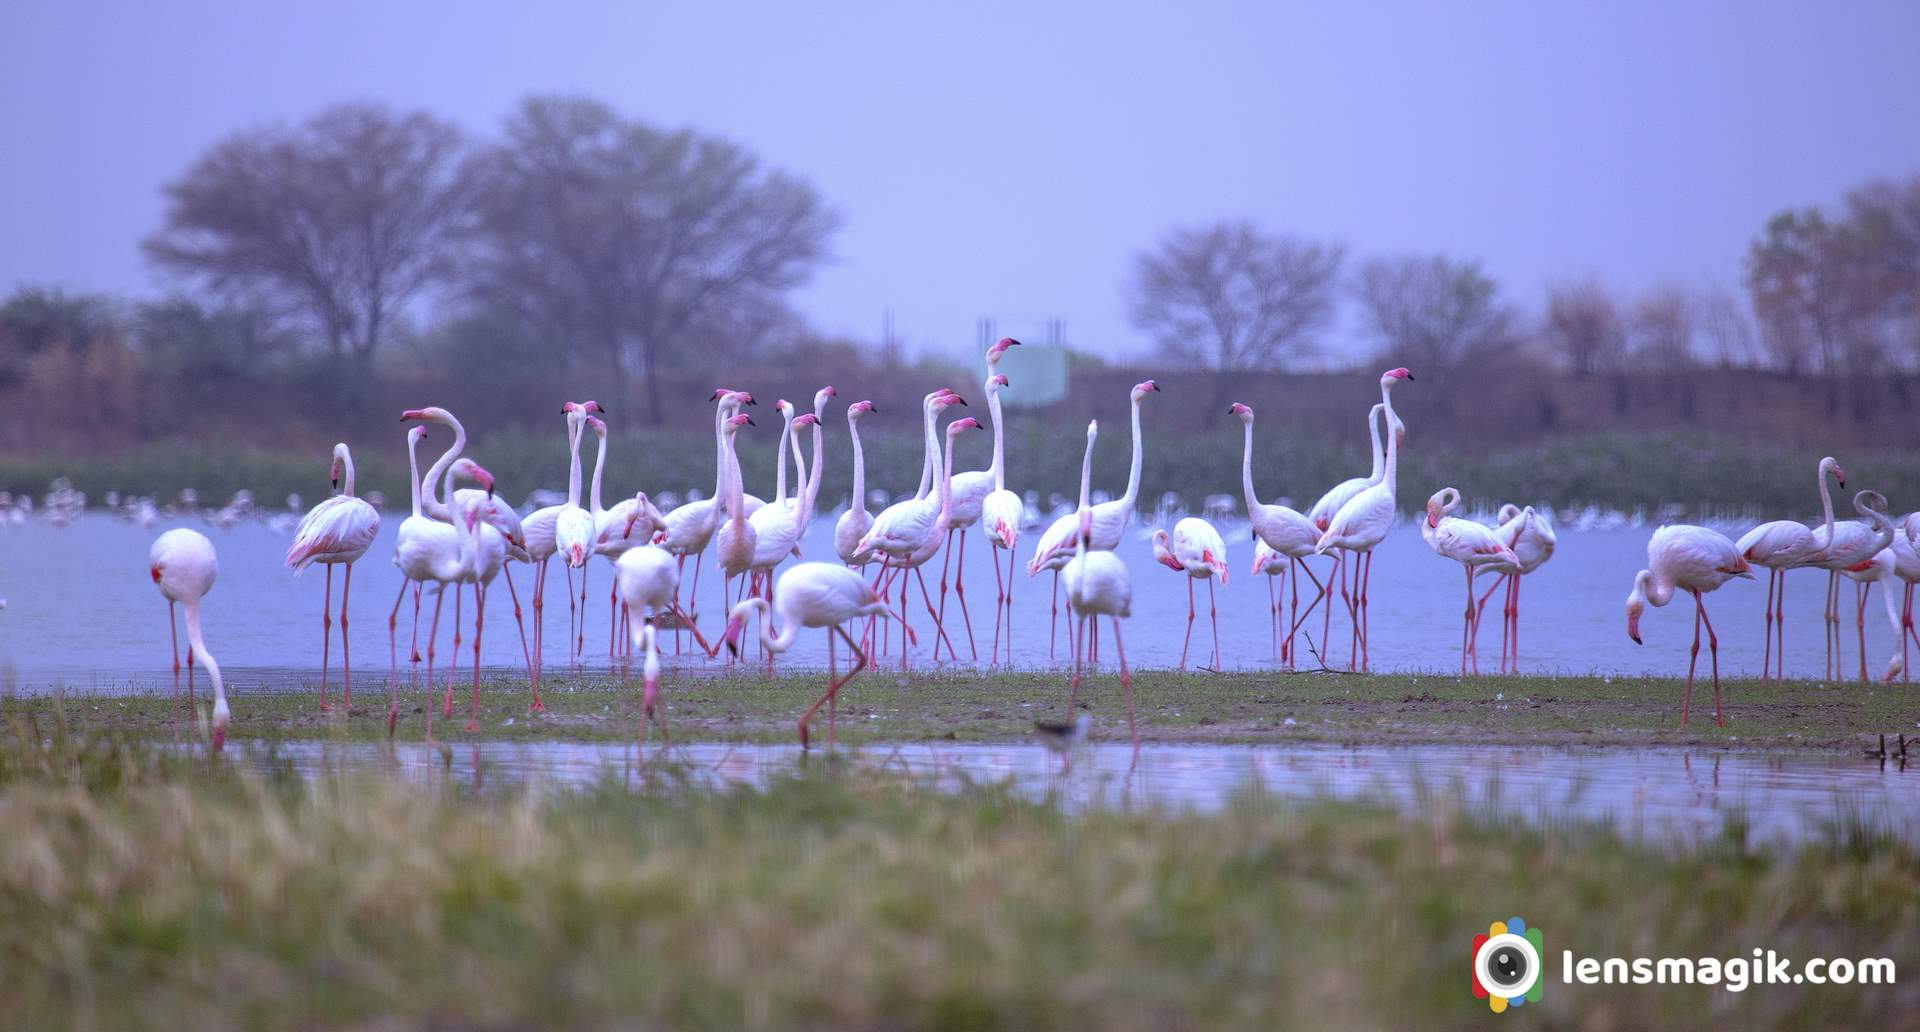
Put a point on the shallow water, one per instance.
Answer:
(82, 611)
(1655, 793)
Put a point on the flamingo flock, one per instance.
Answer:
(464, 537)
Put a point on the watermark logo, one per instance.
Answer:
(1506, 964)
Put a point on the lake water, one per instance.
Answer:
(1665, 794)
(82, 611)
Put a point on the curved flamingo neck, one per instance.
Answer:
(1826, 503)
(1133, 475)
(774, 643)
(200, 650)
(346, 460)
(413, 470)
(573, 460)
(442, 468)
(859, 501)
(1655, 589)
(1246, 471)
(1374, 417)
(599, 469)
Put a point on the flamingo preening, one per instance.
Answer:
(183, 565)
(1474, 547)
(337, 532)
(1284, 532)
(1195, 549)
(819, 595)
(1098, 584)
(1783, 545)
(1695, 560)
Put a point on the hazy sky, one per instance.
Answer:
(1007, 159)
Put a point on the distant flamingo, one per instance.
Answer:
(1837, 547)
(822, 595)
(336, 532)
(907, 533)
(1780, 546)
(1097, 585)
(970, 490)
(1195, 549)
(930, 408)
(809, 493)
(1330, 504)
(1695, 560)
(183, 564)
(1472, 546)
(1365, 520)
(1285, 532)
(1530, 534)
(1110, 519)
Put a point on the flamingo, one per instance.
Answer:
(1876, 568)
(1110, 519)
(929, 455)
(1695, 560)
(1328, 506)
(970, 490)
(1195, 549)
(1097, 585)
(690, 526)
(1284, 532)
(1274, 565)
(1001, 514)
(735, 536)
(183, 565)
(822, 595)
(856, 521)
(648, 580)
(1366, 518)
(650, 676)
(1906, 566)
(1530, 534)
(613, 533)
(908, 533)
(337, 532)
(1838, 546)
(902, 525)
(1472, 546)
(411, 528)
(427, 549)
(811, 492)
(777, 527)
(1783, 545)
(565, 529)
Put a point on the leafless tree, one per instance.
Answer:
(1726, 329)
(1583, 326)
(608, 233)
(340, 222)
(1661, 330)
(1232, 298)
(1433, 312)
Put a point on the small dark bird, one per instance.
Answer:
(1061, 736)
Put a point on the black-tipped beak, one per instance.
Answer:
(336, 483)
(1636, 639)
(1409, 376)
(1843, 485)
(1156, 387)
(750, 421)
(873, 408)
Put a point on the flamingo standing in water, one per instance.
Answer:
(690, 526)
(1783, 545)
(1055, 547)
(1097, 585)
(1472, 546)
(930, 408)
(1695, 560)
(414, 528)
(1530, 534)
(337, 532)
(1283, 532)
(1001, 513)
(183, 565)
(1323, 511)
(1274, 566)
(1906, 566)
(856, 521)
(1877, 568)
(565, 529)
(820, 595)
(614, 533)
(908, 533)
(1838, 546)
(1195, 549)
(735, 536)
(1365, 520)
(970, 490)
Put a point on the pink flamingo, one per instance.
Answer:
(1323, 511)
(1473, 547)
(1783, 545)
(337, 532)
(1530, 534)
(1695, 560)
(1366, 519)
(690, 526)
(1195, 549)
(735, 536)
(1284, 532)
(1098, 584)
(1877, 568)
(970, 490)
(566, 530)
(1906, 566)
(819, 595)
(908, 533)
(856, 521)
(183, 565)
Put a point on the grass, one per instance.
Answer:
(1698, 472)
(158, 890)
(1172, 707)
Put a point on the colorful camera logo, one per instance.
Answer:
(1506, 964)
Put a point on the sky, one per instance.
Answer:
(1008, 159)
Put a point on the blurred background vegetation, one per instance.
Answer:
(325, 275)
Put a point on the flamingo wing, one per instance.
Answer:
(340, 526)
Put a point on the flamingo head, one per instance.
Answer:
(805, 419)
(858, 409)
(641, 510)
(961, 426)
(1163, 552)
(1144, 388)
(339, 458)
(1000, 348)
(1637, 604)
(820, 397)
(945, 399)
(415, 435)
(1394, 375)
(1831, 466)
(731, 635)
(430, 414)
(221, 716)
(996, 381)
(784, 407)
(1242, 411)
(1442, 502)
(735, 422)
(724, 393)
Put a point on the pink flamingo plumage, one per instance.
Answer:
(183, 566)
(1694, 560)
(337, 532)
(1475, 548)
(1196, 549)
(1779, 546)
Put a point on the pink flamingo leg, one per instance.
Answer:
(173, 629)
(1189, 635)
(1126, 684)
(1713, 650)
(326, 638)
(433, 633)
(1076, 632)
(999, 603)
(1860, 624)
(1366, 614)
(539, 619)
(453, 658)
(940, 632)
(1213, 616)
(1906, 626)
(479, 618)
(1053, 624)
(1273, 624)
(533, 671)
(580, 640)
(1010, 561)
(1514, 617)
(393, 659)
(1780, 629)
(1766, 654)
(960, 593)
(834, 684)
(346, 646)
(1323, 595)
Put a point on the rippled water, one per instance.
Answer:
(81, 610)
(1656, 793)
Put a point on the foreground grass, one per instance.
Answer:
(1172, 707)
(154, 890)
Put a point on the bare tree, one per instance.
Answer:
(1726, 329)
(607, 233)
(339, 222)
(1434, 312)
(1661, 330)
(1232, 298)
(1583, 325)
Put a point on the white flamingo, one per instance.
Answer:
(1001, 513)
(1097, 585)
(428, 550)
(1329, 505)
(1474, 547)
(1195, 549)
(1695, 560)
(1878, 568)
(1285, 532)
(630, 522)
(735, 536)
(337, 532)
(905, 534)
(1529, 533)
(565, 529)
(1365, 520)
(818, 595)
(1779, 546)
(970, 490)
(690, 526)
(856, 521)
(183, 565)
